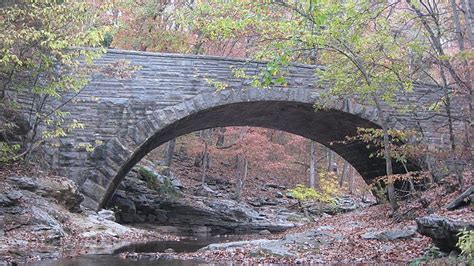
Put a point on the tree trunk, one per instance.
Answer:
(169, 156)
(221, 137)
(204, 157)
(242, 169)
(388, 159)
(452, 139)
(351, 179)
(312, 166)
(271, 134)
(238, 185)
(436, 43)
(204, 163)
(429, 165)
(467, 73)
(345, 170)
(205, 135)
(468, 20)
(330, 157)
(242, 182)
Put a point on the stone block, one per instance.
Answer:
(92, 190)
(90, 203)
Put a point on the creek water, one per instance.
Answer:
(191, 244)
(103, 260)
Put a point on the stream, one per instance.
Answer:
(191, 244)
(102, 260)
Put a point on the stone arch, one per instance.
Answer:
(285, 109)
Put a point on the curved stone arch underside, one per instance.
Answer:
(284, 109)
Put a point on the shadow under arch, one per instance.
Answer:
(293, 113)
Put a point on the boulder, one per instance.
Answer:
(443, 231)
(42, 218)
(139, 218)
(126, 218)
(146, 173)
(14, 196)
(5, 201)
(204, 191)
(169, 250)
(161, 216)
(345, 204)
(150, 218)
(275, 186)
(285, 246)
(18, 124)
(236, 244)
(201, 230)
(22, 182)
(390, 235)
(317, 208)
(219, 214)
(106, 215)
(125, 207)
(264, 201)
(175, 182)
(341, 205)
(466, 198)
(135, 203)
(145, 204)
(123, 203)
(65, 191)
(272, 251)
(132, 184)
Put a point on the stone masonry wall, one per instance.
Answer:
(173, 87)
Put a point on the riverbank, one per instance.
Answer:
(41, 220)
(371, 235)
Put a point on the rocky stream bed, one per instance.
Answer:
(42, 222)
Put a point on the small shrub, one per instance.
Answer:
(466, 243)
(149, 177)
(167, 189)
(329, 189)
(8, 152)
(329, 186)
(303, 193)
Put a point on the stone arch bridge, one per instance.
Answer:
(169, 95)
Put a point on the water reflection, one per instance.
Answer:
(184, 245)
(108, 260)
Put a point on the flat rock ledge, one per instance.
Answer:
(443, 231)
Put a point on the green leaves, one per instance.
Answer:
(466, 243)
(362, 55)
(327, 192)
(39, 41)
(316, 10)
(218, 85)
(8, 152)
(400, 148)
(352, 39)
